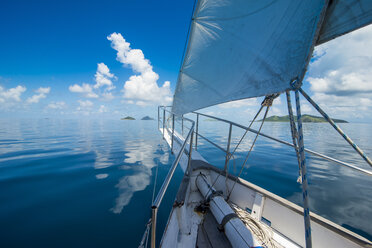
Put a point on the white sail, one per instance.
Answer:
(344, 16)
(246, 48)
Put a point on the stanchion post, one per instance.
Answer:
(228, 148)
(197, 129)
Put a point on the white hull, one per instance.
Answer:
(284, 218)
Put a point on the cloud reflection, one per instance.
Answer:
(144, 154)
(101, 176)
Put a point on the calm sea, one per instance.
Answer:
(74, 183)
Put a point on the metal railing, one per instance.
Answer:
(156, 204)
(227, 150)
(164, 123)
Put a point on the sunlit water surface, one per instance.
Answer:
(71, 183)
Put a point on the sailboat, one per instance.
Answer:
(238, 49)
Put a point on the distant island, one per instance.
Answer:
(147, 118)
(128, 118)
(305, 118)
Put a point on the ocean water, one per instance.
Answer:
(69, 183)
(80, 183)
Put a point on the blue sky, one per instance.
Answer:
(50, 44)
(50, 49)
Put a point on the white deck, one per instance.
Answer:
(285, 218)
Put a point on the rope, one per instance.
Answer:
(246, 158)
(303, 173)
(294, 134)
(262, 232)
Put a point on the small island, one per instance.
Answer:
(305, 118)
(147, 118)
(128, 118)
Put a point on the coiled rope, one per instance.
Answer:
(262, 232)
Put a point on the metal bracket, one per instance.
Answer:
(268, 101)
(295, 84)
(258, 206)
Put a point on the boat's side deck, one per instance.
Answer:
(188, 228)
(209, 236)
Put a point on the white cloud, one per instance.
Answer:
(276, 111)
(127, 101)
(12, 93)
(42, 90)
(305, 109)
(103, 77)
(41, 93)
(102, 109)
(344, 107)
(85, 105)
(56, 105)
(35, 98)
(277, 101)
(85, 89)
(143, 88)
(240, 103)
(107, 96)
(341, 75)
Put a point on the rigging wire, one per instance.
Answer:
(245, 133)
(219, 174)
(250, 150)
(145, 237)
(232, 154)
(268, 101)
(294, 133)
